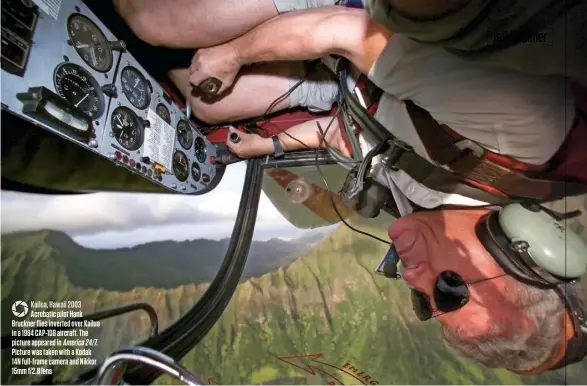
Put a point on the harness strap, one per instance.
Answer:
(443, 180)
(401, 156)
(471, 174)
(471, 165)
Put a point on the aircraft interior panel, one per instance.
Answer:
(65, 72)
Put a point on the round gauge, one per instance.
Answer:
(135, 87)
(78, 87)
(200, 149)
(89, 42)
(196, 172)
(181, 165)
(184, 134)
(163, 112)
(127, 128)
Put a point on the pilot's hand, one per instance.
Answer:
(250, 145)
(220, 62)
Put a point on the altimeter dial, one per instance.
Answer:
(77, 86)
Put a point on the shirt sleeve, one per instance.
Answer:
(471, 27)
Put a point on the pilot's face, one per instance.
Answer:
(429, 243)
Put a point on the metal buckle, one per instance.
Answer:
(475, 148)
(351, 187)
(397, 148)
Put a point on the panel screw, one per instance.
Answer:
(520, 246)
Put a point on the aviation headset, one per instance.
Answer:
(532, 246)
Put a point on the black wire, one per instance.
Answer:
(285, 95)
(322, 140)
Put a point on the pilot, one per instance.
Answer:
(525, 122)
(546, 37)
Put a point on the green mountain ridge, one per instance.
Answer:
(327, 301)
(171, 263)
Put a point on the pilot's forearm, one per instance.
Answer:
(298, 35)
(305, 134)
(314, 33)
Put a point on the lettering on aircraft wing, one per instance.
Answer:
(333, 374)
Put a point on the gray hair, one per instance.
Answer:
(514, 348)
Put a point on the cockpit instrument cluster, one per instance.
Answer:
(64, 70)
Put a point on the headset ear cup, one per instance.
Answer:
(496, 243)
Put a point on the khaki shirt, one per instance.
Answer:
(494, 32)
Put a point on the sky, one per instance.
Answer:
(113, 220)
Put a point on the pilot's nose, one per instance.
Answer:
(421, 278)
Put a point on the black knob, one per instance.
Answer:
(110, 90)
(146, 160)
(119, 45)
(234, 137)
(146, 123)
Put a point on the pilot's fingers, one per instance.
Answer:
(236, 148)
(218, 62)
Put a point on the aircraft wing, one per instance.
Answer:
(301, 196)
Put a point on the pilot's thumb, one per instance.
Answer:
(234, 148)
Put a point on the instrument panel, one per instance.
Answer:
(63, 70)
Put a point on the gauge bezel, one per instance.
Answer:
(161, 104)
(91, 79)
(199, 171)
(139, 122)
(188, 169)
(102, 36)
(143, 79)
(189, 127)
(204, 148)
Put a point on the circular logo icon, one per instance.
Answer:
(298, 191)
(20, 309)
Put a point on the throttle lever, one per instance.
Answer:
(210, 86)
(224, 156)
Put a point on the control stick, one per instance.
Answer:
(224, 156)
(210, 86)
